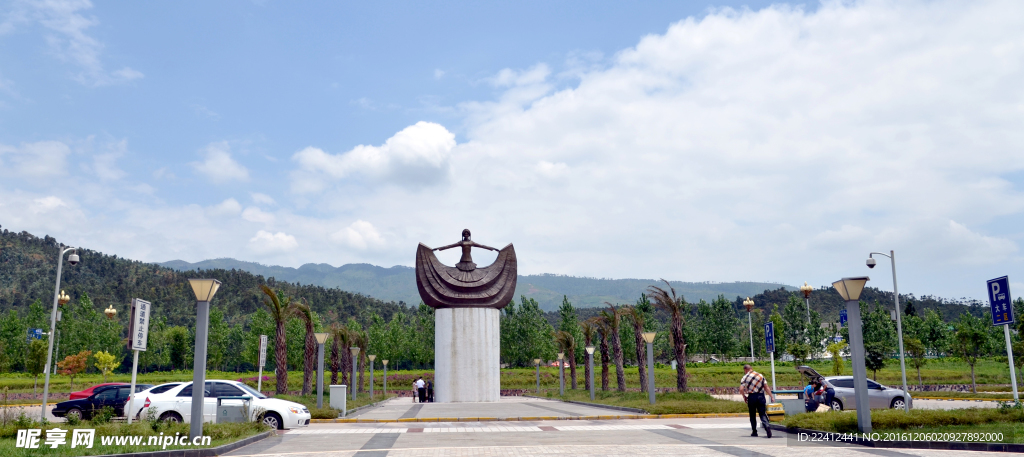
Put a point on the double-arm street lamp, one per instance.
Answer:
(749, 304)
(72, 260)
(204, 290)
(899, 321)
(850, 289)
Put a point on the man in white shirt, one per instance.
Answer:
(421, 389)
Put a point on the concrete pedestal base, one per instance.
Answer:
(467, 355)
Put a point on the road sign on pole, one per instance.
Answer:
(263, 361)
(1002, 314)
(34, 334)
(138, 333)
(842, 318)
(999, 300)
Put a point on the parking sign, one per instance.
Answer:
(999, 300)
(769, 336)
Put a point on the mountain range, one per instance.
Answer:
(398, 283)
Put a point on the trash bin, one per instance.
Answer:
(233, 412)
(339, 397)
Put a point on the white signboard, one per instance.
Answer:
(141, 310)
(263, 350)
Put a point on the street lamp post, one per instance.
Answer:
(537, 363)
(749, 304)
(850, 289)
(73, 260)
(385, 362)
(590, 365)
(561, 375)
(807, 301)
(649, 339)
(321, 338)
(204, 290)
(355, 361)
(372, 358)
(899, 320)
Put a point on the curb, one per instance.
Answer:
(208, 452)
(962, 399)
(595, 405)
(937, 445)
(525, 418)
(356, 410)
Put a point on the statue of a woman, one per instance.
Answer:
(466, 263)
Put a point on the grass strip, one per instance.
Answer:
(665, 403)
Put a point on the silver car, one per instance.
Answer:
(879, 396)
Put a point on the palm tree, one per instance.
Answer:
(567, 344)
(339, 340)
(637, 318)
(303, 311)
(589, 328)
(605, 358)
(612, 321)
(676, 306)
(361, 341)
(281, 308)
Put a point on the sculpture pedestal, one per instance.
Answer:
(467, 353)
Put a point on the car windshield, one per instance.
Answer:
(251, 390)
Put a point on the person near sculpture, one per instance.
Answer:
(753, 388)
(421, 390)
(430, 391)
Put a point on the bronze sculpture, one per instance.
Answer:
(465, 285)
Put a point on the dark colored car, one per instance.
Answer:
(113, 396)
(91, 390)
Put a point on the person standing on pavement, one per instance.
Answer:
(829, 393)
(753, 388)
(421, 389)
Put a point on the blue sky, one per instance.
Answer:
(693, 141)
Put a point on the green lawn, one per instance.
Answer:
(665, 403)
(220, 434)
(1009, 421)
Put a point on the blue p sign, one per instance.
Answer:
(999, 300)
(769, 336)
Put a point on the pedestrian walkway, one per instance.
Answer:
(525, 408)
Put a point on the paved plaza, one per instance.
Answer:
(728, 436)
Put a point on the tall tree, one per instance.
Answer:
(605, 358)
(971, 342)
(915, 349)
(339, 342)
(280, 309)
(36, 360)
(73, 365)
(636, 317)
(677, 308)
(613, 322)
(305, 314)
(106, 362)
(568, 321)
(567, 344)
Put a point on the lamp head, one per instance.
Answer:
(561, 355)
(850, 288)
(354, 350)
(749, 304)
(806, 290)
(384, 361)
(204, 288)
(590, 350)
(871, 262)
(321, 338)
(63, 299)
(73, 258)
(649, 337)
(110, 312)
(372, 357)
(536, 361)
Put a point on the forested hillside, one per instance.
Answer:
(398, 283)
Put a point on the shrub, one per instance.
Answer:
(323, 413)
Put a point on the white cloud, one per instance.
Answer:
(229, 207)
(263, 199)
(219, 166)
(359, 235)
(70, 41)
(266, 242)
(254, 214)
(416, 156)
(104, 164)
(48, 204)
(42, 159)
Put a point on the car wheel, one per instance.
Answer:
(170, 416)
(74, 412)
(273, 421)
(898, 403)
(836, 405)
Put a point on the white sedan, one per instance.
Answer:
(175, 404)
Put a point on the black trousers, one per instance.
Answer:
(423, 394)
(830, 394)
(757, 407)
